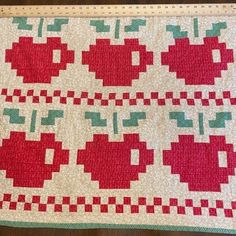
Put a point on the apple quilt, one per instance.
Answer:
(120, 122)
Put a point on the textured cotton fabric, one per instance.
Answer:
(118, 122)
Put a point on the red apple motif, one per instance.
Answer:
(113, 63)
(194, 63)
(198, 163)
(24, 160)
(110, 162)
(34, 61)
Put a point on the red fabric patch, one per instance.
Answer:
(194, 63)
(34, 61)
(24, 160)
(110, 162)
(198, 163)
(113, 63)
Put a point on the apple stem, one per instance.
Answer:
(195, 27)
(33, 121)
(117, 29)
(200, 123)
(40, 27)
(115, 123)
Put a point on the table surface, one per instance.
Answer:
(8, 231)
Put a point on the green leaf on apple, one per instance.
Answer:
(176, 30)
(181, 119)
(134, 118)
(22, 23)
(51, 118)
(135, 24)
(57, 25)
(95, 118)
(14, 115)
(219, 121)
(216, 29)
(100, 26)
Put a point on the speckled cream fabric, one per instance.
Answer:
(118, 122)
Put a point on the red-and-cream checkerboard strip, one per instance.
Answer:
(111, 204)
(117, 99)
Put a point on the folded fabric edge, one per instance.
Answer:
(22, 224)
